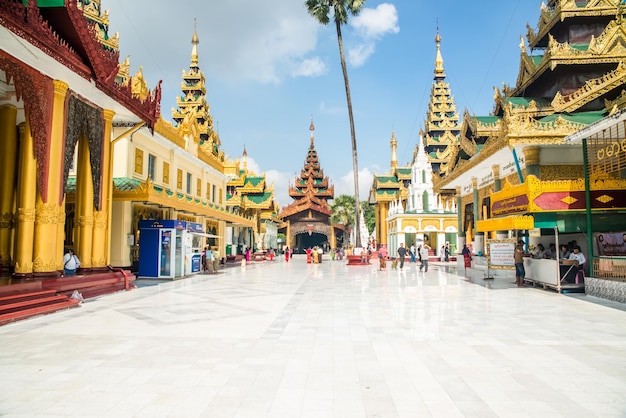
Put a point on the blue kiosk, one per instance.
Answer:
(166, 249)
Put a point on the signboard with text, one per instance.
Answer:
(501, 253)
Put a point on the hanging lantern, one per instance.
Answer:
(309, 228)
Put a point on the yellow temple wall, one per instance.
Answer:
(169, 158)
(120, 248)
(131, 160)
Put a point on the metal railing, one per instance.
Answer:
(611, 268)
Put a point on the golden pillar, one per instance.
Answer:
(532, 160)
(84, 204)
(27, 186)
(384, 212)
(47, 255)
(100, 253)
(221, 231)
(8, 167)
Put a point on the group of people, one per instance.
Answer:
(570, 251)
(210, 260)
(421, 253)
(314, 254)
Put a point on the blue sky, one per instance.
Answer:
(270, 67)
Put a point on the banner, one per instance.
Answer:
(611, 244)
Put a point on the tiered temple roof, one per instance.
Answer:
(441, 134)
(311, 190)
(391, 186)
(193, 111)
(572, 73)
(248, 193)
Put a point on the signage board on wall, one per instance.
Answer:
(501, 253)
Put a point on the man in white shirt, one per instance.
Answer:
(578, 256)
(580, 260)
(70, 263)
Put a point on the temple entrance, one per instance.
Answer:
(304, 241)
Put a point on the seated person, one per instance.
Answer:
(564, 252)
(540, 252)
(551, 252)
(579, 259)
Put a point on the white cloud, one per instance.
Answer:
(252, 165)
(359, 54)
(310, 67)
(374, 23)
(336, 110)
(281, 186)
(239, 39)
(346, 184)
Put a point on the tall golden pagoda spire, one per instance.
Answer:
(193, 107)
(394, 146)
(441, 134)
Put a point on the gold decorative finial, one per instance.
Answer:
(394, 146)
(312, 128)
(195, 41)
(438, 58)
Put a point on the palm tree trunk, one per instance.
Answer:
(355, 163)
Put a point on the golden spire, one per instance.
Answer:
(312, 128)
(245, 159)
(195, 41)
(394, 146)
(439, 58)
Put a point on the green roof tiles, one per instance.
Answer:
(487, 119)
(585, 118)
(124, 184)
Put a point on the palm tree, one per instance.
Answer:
(320, 10)
(343, 213)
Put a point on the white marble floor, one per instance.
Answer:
(297, 340)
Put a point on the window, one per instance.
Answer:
(199, 187)
(166, 173)
(208, 192)
(151, 166)
(179, 179)
(188, 183)
(138, 161)
(213, 193)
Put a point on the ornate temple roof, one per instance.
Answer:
(311, 189)
(248, 192)
(442, 119)
(572, 73)
(75, 34)
(193, 113)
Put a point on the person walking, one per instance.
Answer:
(447, 252)
(467, 256)
(424, 256)
(208, 260)
(518, 255)
(382, 258)
(216, 259)
(412, 253)
(401, 254)
(70, 263)
(287, 254)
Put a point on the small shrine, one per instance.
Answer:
(306, 222)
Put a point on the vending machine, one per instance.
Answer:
(161, 250)
(194, 237)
